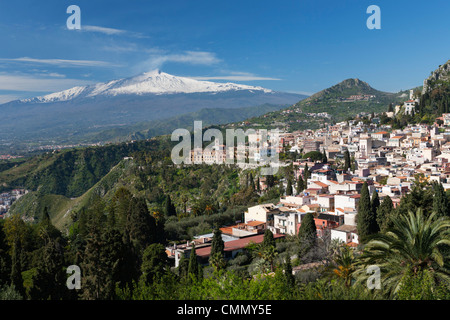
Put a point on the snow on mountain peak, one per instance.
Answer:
(153, 82)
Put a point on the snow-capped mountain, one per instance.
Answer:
(154, 82)
(151, 96)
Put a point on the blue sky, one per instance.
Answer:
(296, 46)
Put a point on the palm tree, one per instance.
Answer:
(344, 265)
(269, 254)
(413, 245)
(217, 261)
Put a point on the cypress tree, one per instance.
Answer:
(258, 185)
(289, 190)
(307, 234)
(252, 182)
(306, 172)
(375, 204)
(324, 157)
(16, 268)
(300, 184)
(440, 201)
(384, 212)
(170, 207)
(217, 244)
(347, 161)
(366, 221)
(193, 268)
(270, 181)
(268, 239)
(290, 279)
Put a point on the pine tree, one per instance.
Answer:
(49, 281)
(103, 255)
(154, 262)
(141, 226)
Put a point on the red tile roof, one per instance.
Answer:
(236, 244)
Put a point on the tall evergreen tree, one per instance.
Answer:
(5, 258)
(306, 173)
(289, 190)
(391, 108)
(217, 244)
(324, 157)
(141, 226)
(366, 220)
(290, 279)
(347, 161)
(440, 201)
(252, 182)
(384, 212)
(375, 204)
(154, 262)
(194, 268)
(270, 181)
(104, 253)
(300, 184)
(49, 281)
(170, 207)
(307, 234)
(16, 267)
(268, 239)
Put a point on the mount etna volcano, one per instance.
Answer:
(73, 113)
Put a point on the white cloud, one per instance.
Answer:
(108, 31)
(62, 62)
(236, 76)
(111, 31)
(33, 83)
(188, 57)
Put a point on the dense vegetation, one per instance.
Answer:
(118, 238)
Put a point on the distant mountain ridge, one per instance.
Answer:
(336, 103)
(344, 89)
(69, 115)
(153, 82)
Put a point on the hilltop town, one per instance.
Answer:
(388, 160)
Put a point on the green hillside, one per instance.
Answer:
(337, 101)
